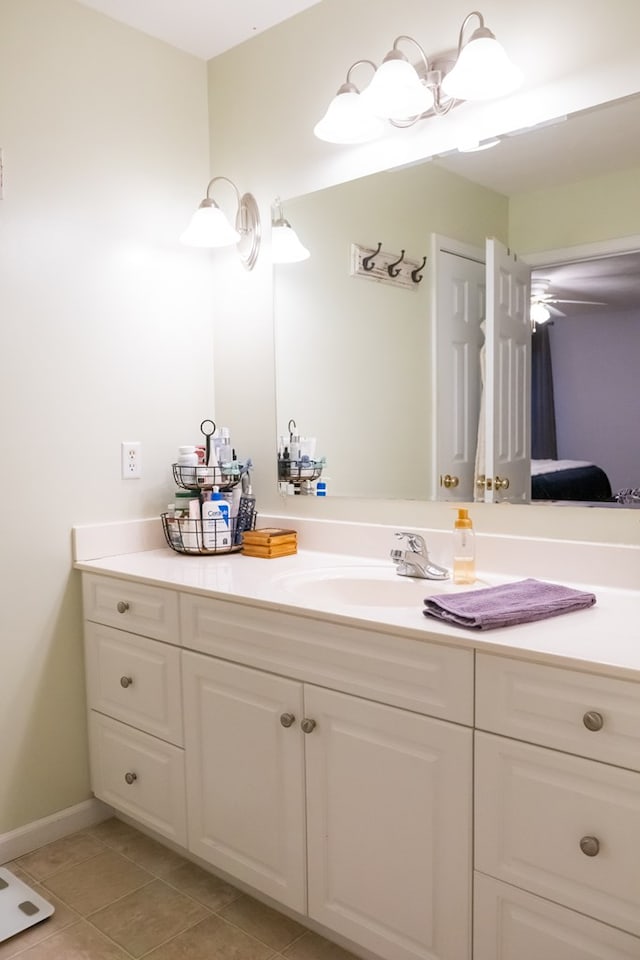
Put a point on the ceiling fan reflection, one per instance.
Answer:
(543, 302)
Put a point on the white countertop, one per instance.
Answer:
(603, 639)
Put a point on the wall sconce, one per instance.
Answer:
(285, 243)
(209, 227)
(402, 93)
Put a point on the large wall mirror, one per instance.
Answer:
(356, 365)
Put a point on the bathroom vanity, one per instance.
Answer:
(415, 790)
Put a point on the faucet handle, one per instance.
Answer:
(415, 540)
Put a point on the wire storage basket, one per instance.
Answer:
(203, 537)
(297, 471)
(205, 478)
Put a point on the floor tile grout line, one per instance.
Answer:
(110, 939)
(176, 935)
(53, 933)
(67, 866)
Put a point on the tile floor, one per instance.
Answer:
(120, 895)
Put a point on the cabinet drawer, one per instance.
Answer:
(140, 775)
(514, 925)
(428, 678)
(535, 811)
(150, 611)
(596, 717)
(134, 679)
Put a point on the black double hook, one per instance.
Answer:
(416, 275)
(392, 268)
(368, 262)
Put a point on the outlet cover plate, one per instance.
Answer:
(131, 454)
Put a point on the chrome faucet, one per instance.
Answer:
(415, 561)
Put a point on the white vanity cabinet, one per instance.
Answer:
(334, 767)
(552, 819)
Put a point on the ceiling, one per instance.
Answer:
(204, 28)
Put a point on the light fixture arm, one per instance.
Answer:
(358, 63)
(241, 210)
(480, 31)
(211, 183)
(419, 48)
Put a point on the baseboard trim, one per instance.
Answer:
(16, 843)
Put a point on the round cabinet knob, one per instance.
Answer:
(481, 482)
(501, 483)
(126, 682)
(593, 720)
(590, 846)
(130, 777)
(122, 606)
(449, 481)
(308, 726)
(287, 719)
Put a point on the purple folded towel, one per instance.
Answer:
(503, 606)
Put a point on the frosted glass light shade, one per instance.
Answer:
(482, 71)
(348, 121)
(540, 313)
(285, 244)
(396, 91)
(209, 228)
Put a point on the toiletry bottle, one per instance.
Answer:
(187, 462)
(464, 549)
(216, 524)
(223, 446)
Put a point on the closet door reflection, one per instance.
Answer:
(459, 309)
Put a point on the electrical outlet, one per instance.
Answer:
(131, 453)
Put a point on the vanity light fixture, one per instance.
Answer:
(285, 243)
(402, 93)
(209, 227)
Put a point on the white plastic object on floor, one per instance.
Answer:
(20, 906)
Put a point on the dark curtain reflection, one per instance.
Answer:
(544, 445)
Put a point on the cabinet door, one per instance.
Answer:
(560, 826)
(245, 776)
(389, 827)
(138, 774)
(135, 680)
(514, 925)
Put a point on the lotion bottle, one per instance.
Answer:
(464, 549)
(216, 525)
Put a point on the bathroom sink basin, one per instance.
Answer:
(363, 587)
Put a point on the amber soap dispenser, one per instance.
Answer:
(464, 549)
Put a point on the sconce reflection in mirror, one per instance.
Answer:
(298, 466)
(285, 243)
(209, 227)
